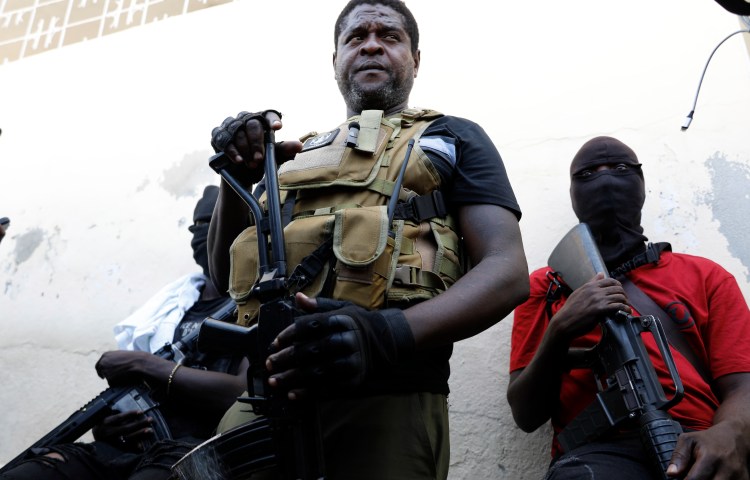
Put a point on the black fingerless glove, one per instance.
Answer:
(223, 135)
(345, 346)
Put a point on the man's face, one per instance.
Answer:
(607, 192)
(373, 62)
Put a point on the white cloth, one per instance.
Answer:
(152, 326)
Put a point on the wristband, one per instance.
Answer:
(171, 377)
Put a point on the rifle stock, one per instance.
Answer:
(576, 257)
(629, 388)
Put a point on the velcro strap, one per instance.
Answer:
(287, 208)
(323, 210)
(407, 275)
(422, 207)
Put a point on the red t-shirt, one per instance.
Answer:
(701, 297)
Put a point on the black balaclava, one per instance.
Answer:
(609, 201)
(204, 209)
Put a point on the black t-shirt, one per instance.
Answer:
(195, 315)
(470, 167)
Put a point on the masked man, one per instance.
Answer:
(704, 301)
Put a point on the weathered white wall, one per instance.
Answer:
(104, 146)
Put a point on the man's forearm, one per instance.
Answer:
(476, 302)
(498, 282)
(534, 391)
(215, 390)
(231, 216)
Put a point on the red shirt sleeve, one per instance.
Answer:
(529, 321)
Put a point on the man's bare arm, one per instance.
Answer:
(496, 284)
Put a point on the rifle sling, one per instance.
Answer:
(646, 306)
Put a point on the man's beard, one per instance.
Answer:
(384, 97)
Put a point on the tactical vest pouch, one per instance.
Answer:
(243, 270)
(364, 254)
(336, 164)
(428, 262)
(302, 237)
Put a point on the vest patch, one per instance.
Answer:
(321, 140)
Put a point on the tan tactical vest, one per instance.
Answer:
(342, 193)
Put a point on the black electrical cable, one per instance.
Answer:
(689, 117)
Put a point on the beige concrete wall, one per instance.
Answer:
(30, 27)
(104, 146)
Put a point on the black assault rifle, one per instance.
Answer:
(294, 426)
(122, 399)
(628, 385)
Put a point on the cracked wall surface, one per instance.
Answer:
(729, 200)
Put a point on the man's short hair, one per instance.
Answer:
(410, 24)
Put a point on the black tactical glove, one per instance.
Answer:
(223, 135)
(234, 137)
(340, 347)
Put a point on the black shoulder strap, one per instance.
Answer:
(555, 290)
(646, 306)
(651, 255)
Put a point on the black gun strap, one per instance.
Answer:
(311, 266)
(422, 207)
(651, 255)
(646, 306)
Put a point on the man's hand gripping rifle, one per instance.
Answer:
(294, 425)
(122, 399)
(628, 385)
